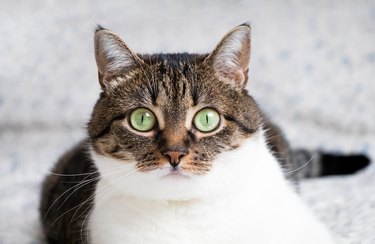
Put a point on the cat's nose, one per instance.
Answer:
(175, 156)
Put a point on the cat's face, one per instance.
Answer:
(172, 115)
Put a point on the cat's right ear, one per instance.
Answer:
(113, 57)
(230, 59)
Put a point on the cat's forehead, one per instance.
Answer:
(174, 83)
(174, 79)
(175, 67)
(174, 60)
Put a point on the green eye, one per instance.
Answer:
(206, 120)
(142, 119)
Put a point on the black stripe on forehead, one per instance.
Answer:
(153, 89)
(174, 66)
(191, 75)
(180, 68)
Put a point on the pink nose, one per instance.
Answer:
(175, 157)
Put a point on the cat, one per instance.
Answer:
(177, 152)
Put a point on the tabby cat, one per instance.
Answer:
(177, 152)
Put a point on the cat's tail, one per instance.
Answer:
(311, 164)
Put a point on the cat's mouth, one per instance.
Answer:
(176, 173)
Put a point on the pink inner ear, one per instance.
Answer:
(231, 56)
(232, 75)
(113, 57)
(239, 77)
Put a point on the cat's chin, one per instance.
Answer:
(176, 174)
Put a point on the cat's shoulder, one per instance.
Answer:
(67, 194)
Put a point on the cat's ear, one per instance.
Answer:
(113, 57)
(230, 59)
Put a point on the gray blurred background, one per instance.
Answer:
(312, 70)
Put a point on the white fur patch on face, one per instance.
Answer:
(156, 184)
(229, 170)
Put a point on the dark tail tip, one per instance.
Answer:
(319, 163)
(334, 164)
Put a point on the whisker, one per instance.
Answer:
(80, 174)
(81, 204)
(81, 184)
(300, 167)
(61, 195)
(91, 197)
(71, 175)
(108, 195)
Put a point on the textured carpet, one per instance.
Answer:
(312, 70)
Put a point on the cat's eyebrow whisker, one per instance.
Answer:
(300, 167)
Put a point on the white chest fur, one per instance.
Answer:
(244, 199)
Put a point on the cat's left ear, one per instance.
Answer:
(230, 59)
(113, 57)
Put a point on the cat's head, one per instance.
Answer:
(167, 118)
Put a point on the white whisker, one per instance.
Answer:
(80, 184)
(301, 167)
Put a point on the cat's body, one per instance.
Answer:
(200, 163)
